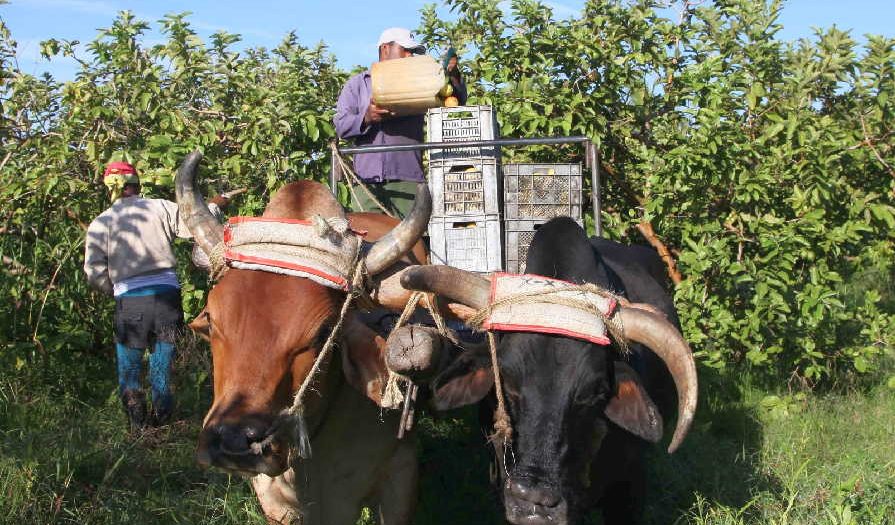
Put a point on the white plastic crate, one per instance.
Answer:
(541, 191)
(470, 188)
(518, 236)
(470, 243)
(461, 123)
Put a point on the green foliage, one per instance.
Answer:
(766, 166)
(261, 117)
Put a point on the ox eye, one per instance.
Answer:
(589, 398)
(322, 335)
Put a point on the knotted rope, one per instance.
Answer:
(503, 429)
(392, 396)
(218, 261)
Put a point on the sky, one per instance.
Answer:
(349, 28)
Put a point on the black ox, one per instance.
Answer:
(581, 413)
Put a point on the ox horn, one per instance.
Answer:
(205, 228)
(643, 327)
(660, 336)
(400, 240)
(457, 285)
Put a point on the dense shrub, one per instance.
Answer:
(261, 117)
(765, 166)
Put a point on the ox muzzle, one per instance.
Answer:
(528, 501)
(530, 495)
(247, 445)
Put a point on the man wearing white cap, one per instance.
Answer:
(392, 177)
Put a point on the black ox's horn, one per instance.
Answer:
(646, 328)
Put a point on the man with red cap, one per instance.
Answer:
(128, 255)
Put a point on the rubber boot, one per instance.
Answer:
(134, 402)
(161, 415)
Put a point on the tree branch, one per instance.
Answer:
(870, 145)
(5, 159)
(646, 229)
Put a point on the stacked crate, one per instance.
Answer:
(464, 230)
(534, 194)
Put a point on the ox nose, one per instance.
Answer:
(242, 444)
(239, 438)
(525, 490)
(529, 502)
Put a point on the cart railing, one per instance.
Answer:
(591, 155)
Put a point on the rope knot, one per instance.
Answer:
(333, 229)
(217, 261)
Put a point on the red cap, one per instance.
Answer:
(119, 168)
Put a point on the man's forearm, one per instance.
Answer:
(350, 124)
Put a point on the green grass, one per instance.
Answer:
(782, 459)
(65, 457)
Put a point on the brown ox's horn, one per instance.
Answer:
(457, 285)
(390, 248)
(204, 227)
(643, 327)
(660, 336)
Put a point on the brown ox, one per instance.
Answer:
(265, 332)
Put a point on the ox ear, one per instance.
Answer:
(202, 324)
(363, 359)
(465, 381)
(631, 408)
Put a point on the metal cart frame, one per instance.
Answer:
(591, 156)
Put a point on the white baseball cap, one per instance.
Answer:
(402, 37)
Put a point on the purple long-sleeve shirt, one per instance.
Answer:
(378, 167)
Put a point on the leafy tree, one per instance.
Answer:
(261, 117)
(766, 166)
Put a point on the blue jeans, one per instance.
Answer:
(130, 370)
(148, 317)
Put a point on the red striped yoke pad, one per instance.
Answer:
(322, 250)
(540, 315)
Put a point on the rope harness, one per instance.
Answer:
(392, 396)
(503, 429)
(352, 180)
(552, 297)
(296, 411)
